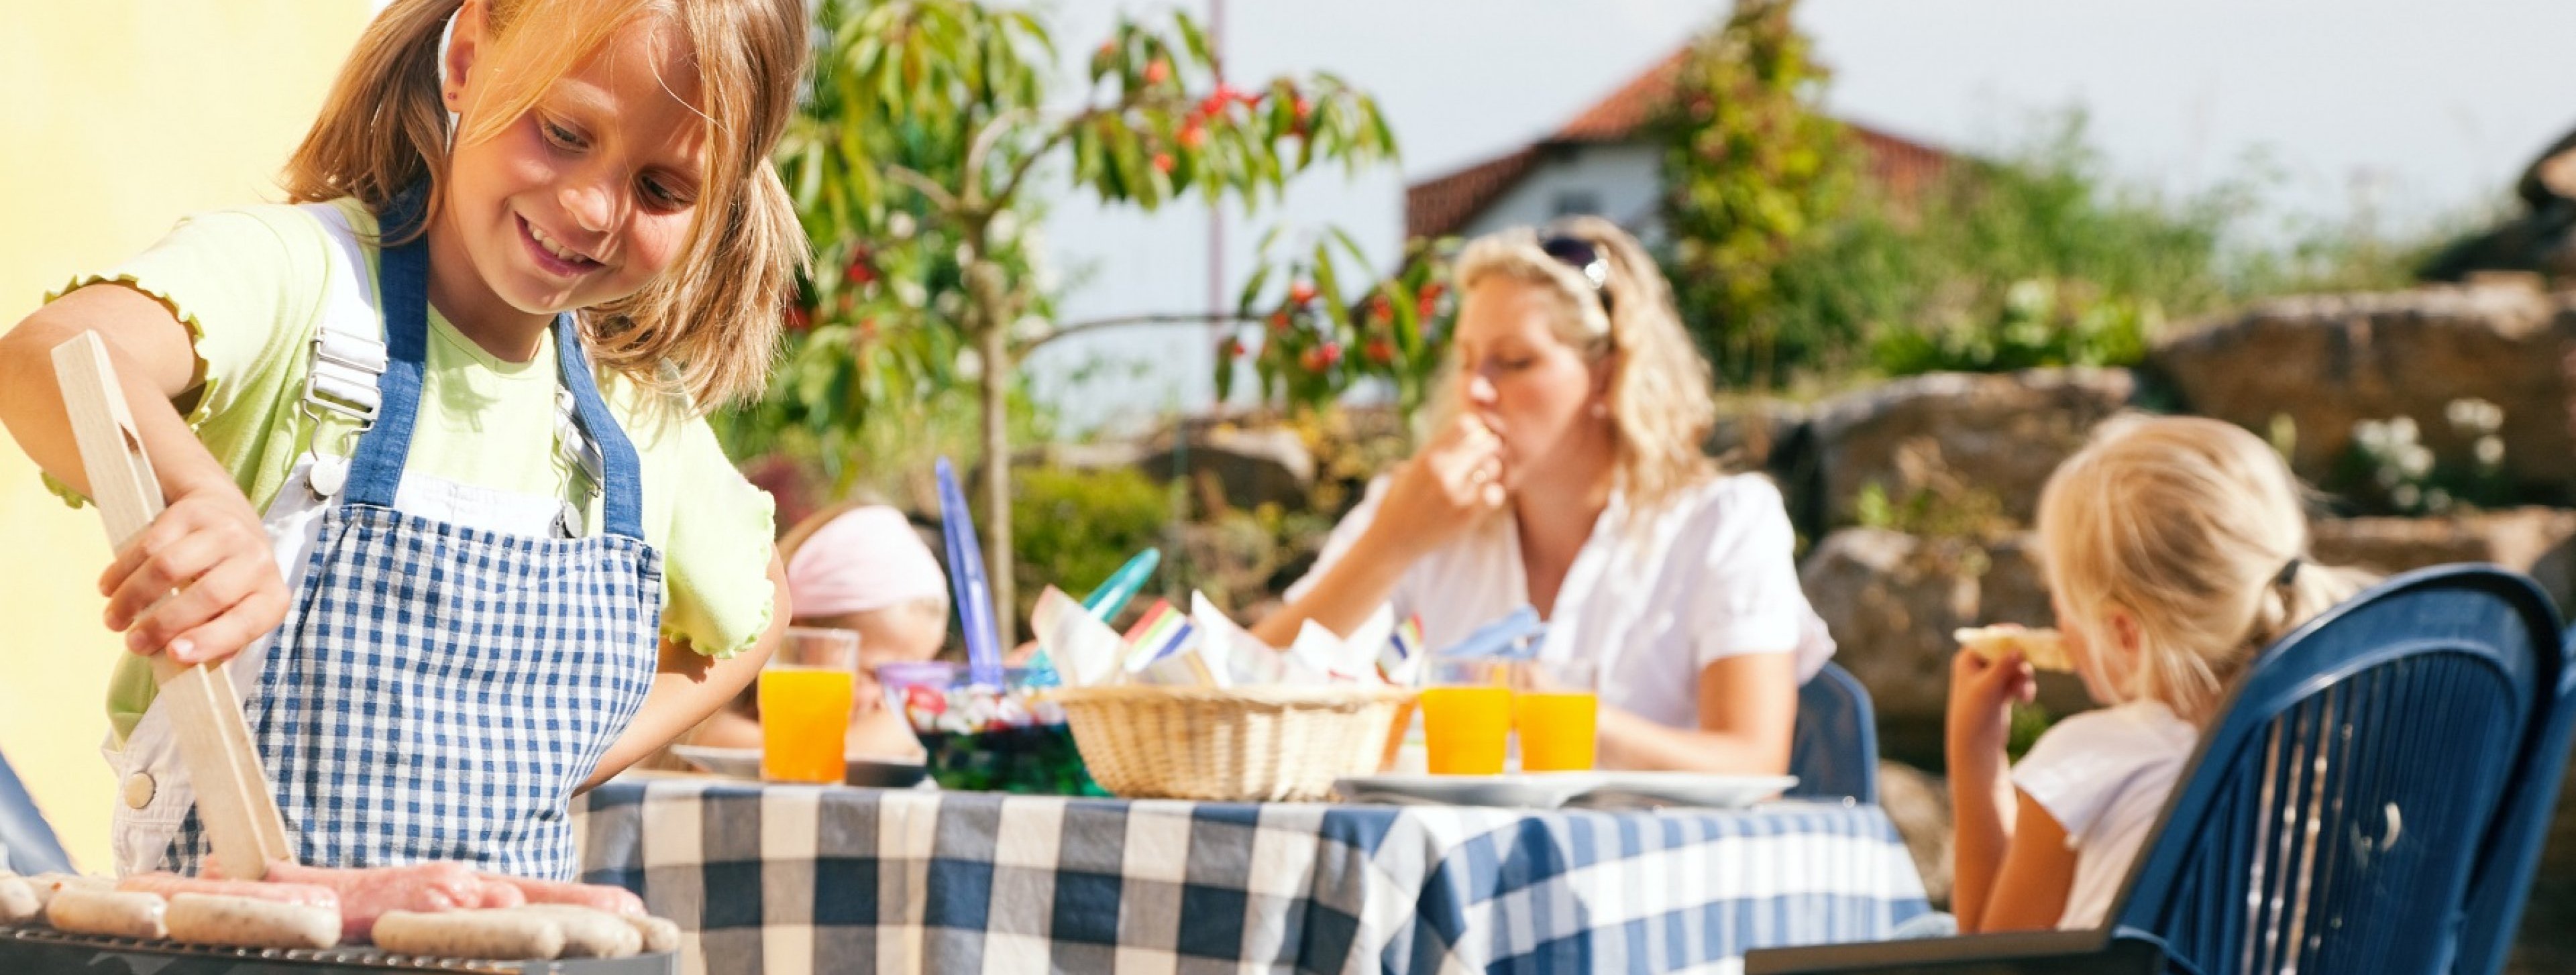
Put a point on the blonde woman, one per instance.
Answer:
(1564, 472)
(2175, 549)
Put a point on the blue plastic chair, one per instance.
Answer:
(26, 839)
(2503, 880)
(2334, 817)
(1834, 751)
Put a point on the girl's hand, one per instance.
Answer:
(200, 581)
(1982, 693)
(1455, 480)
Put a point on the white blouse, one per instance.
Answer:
(2105, 776)
(1712, 576)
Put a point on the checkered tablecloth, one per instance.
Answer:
(785, 879)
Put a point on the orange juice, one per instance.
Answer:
(804, 714)
(1466, 728)
(1557, 730)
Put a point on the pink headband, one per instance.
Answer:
(868, 558)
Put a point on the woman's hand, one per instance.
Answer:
(1455, 480)
(200, 581)
(1982, 693)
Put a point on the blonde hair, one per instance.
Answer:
(707, 326)
(1661, 408)
(2197, 531)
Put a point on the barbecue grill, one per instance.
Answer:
(36, 950)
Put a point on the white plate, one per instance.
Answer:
(1552, 790)
(1648, 790)
(744, 763)
(1534, 790)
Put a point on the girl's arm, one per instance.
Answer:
(1748, 710)
(2029, 889)
(1982, 805)
(689, 687)
(207, 544)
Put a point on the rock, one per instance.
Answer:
(2000, 434)
(1891, 601)
(1918, 802)
(2538, 541)
(2325, 363)
(1249, 466)
(1253, 466)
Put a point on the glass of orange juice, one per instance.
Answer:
(1467, 716)
(805, 694)
(1557, 712)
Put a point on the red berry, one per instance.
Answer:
(1214, 104)
(1163, 161)
(1380, 309)
(924, 700)
(1332, 352)
(1108, 48)
(1381, 351)
(1192, 136)
(799, 318)
(1431, 292)
(1303, 108)
(1313, 360)
(1301, 292)
(1234, 349)
(1158, 72)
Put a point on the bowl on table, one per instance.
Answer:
(985, 738)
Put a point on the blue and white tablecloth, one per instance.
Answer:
(785, 879)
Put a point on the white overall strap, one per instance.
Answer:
(349, 348)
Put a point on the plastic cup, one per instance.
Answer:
(1467, 717)
(1557, 713)
(805, 697)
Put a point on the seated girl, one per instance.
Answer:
(856, 567)
(2174, 550)
(1563, 470)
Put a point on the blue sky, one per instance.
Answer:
(2413, 110)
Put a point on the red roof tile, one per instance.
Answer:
(1445, 203)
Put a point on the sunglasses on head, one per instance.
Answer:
(1585, 258)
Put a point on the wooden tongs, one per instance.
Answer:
(233, 798)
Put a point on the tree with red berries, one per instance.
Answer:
(964, 86)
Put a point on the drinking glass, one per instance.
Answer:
(1557, 712)
(1467, 716)
(805, 696)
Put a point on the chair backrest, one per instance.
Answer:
(2503, 878)
(27, 843)
(2337, 808)
(1834, 751)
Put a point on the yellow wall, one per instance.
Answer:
(117, 117)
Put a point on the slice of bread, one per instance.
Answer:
(2044, 648)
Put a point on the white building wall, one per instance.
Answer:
(1621, 182)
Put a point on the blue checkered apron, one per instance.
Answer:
(438, 691)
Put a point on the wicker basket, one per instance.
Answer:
(1271, 744)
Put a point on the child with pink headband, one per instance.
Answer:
(856, 566)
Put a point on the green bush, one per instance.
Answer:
(1073, 528)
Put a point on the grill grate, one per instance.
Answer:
(15, 942)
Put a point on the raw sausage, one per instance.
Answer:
(18, 901)
(590, 933)
(597, 897)
(251, 922)
(123, 914)
(47, 884)
(370, 893)
(502, 935)
(171, 884)
(660, 935)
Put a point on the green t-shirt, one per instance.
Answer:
(251, 285)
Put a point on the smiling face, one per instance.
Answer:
(1515, 374)
(581, 200)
